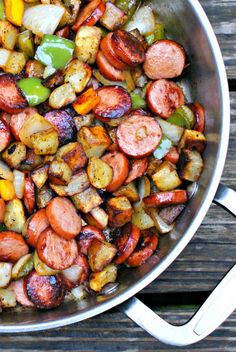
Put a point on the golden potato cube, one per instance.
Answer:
(15, 63)
(100, 254)
(62, 96)
(8, 35)
(14, 218)
(87, 200)
(78, 75)
(100, 173)
(14, 154)
(190, 165)
(45, 142)
(119, 211)
(192, 140)
(166, 177)
(129, 191)
(73, 154)
(87, 42)
(94, 140)
(98, 280)
(40, 175)
(59, 173)
(97, 217)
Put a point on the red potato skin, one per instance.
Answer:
(38, 223)
(164, 59)
(2, 210)
(164, 97)
(126, 243)
(108, 52)
(12, 246)
(120, 166)
(45, 292)
(86, 236)
(29, 195)
(64, 124)
(63, 217)
(144, 251)
(107, 70)
(172, 156)
(55, 251)
(114, 103)
(17, 121)
(21, 294)
(90, 14)
(127, 48)
(199, 114)
(138, 136)
(137, 168)
(160, 199)
(12, 100)
(5, 136)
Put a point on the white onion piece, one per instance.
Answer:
(5, 172)
(143, 20)
(19, 183)
(79, 293)
(73, 273)
(43, 19)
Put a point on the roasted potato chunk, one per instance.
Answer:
(14, 154)
(87, 43)
(5, 274)
(15, 63)
(31, 162)
(4, 57)
(43, 196)
(100, 254)
(7, 298)
(59, 173)
(8, 35)
(113, 17)
(34, 68)
(62, 96)
(87, 200)
(192, 140)
(190, 165)
(119, 211)
(166, 177)
(83, 120)
(97, 217)
(14, 218)
(40, 175)
(141, 219)
(94, 140)
(129, 191)
(73, 154)
(100, 173)
(98, 280)
(45, 142)
(79, 182)
(78, 75)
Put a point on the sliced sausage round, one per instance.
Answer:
(55, 251)
(126, 243)
(37, 224)
(11, 98)
(127, 48)
(5, 135)
(12, 246)
(108, 52)
(21, 294)
(136, 169)
(107, 70)
(120, 166)
(2, 210)
(138, 136)
(78, 273)
(86, 236)
(90, 14)
(29, 195)
(164, 59)
(114, 102)
(46, 292)
(144, 251)
(199, 114)
(17, 121)
(160, 199)
(63, 217)
(164, 97)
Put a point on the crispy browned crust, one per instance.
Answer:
(11, 98)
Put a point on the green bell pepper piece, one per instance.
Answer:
(163, 148)
(129, 7)
(33, 90)
(157, 34)
(183, 117)
(2, 10)
(138, 102)
(25, 43)
(55, 51)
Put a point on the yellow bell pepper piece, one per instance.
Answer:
(7, 190)
(86, 102)
(14, 10)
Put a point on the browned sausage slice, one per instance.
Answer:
(138, 136)
(63, 217)
(78, 273)
(5, 136)
(114, 102)
(90, 14)
(12, 246)
(164, 59)
(160, 199)
(108, 52)
(29, 194)
(45, 292)
(164, 97)
(11, 98)
(126, 243)
(136, 169)
(87, 234)
(120, 167)
(17, 121)
(20, 292)
(37, 224)
(107, 70)
(127, 48)
(55, 251)
(199, 114)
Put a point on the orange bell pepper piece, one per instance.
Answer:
(14, 10)
(7, 190)
(86, 102)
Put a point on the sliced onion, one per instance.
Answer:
(19, 183)
(160, 225)
(143, 20)
(43, 19)
(73, 274)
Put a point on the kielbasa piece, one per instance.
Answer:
(46, 292)
(86, 236)
(37, 224)
(29, 195)
(114, 102)
(120, 166)
(18, 120)
(63, 217)
(82, 261)
(107, 70)
(11, 98)
(78, 273)
(55, 251)
(64, 124)
(164, 59)
(160, 199)
(199, 114)
(127, 48)
(138, 136)
(21, 294)
(126, 243)
(136, 169)
(12, 246)
(144, 251)
(5, 136)
(90, 14)
(172, 156)
(164, 97)
(2, 210)
(108, 52)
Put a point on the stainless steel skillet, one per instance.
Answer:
(187, 23)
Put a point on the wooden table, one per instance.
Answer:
(177, 293)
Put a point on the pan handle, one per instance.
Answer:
(218, 306)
